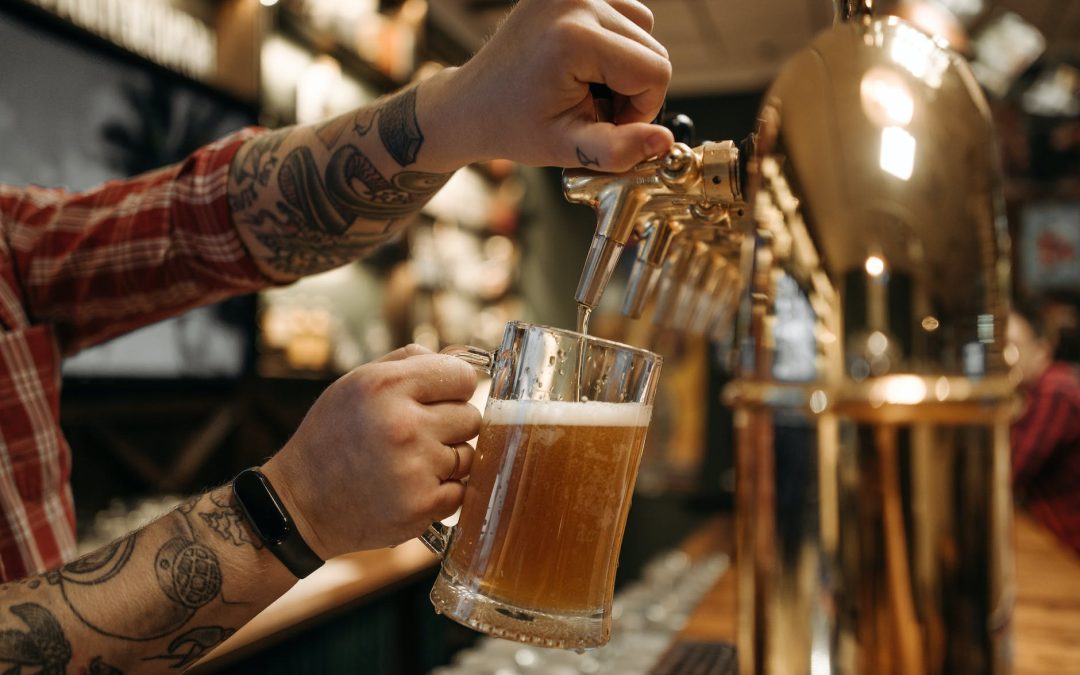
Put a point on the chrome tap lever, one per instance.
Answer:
(617, 200)
(666, 218)
(704, 177)
(707, 292)
(654, 248)
(688, 285)
(671, 275)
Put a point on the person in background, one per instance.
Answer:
(1046, 435)
(1061, 312)
(382, 452)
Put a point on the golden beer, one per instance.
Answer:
(533, 555)
(547, 501)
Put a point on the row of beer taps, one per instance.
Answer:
(684, 211)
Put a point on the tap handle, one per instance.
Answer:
(747, 152)
(681, 126)
(603, 101)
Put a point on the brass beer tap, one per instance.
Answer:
(657, 200)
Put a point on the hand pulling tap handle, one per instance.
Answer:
(611, 203)
(682, 178)
(617, 200)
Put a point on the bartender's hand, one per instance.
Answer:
(312, 197)
(526, 93)
(368, 466)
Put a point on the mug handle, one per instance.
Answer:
(437, 536)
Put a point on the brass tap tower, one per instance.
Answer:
(872, 401)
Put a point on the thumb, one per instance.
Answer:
(617, 147)
(408, 351)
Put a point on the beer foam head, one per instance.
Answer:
(568, 413)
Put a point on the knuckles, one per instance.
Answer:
(372, 381)
(569, 34)
(399, 427)
(414, 349)
(461, 378)
(474, 420)
(649, 20)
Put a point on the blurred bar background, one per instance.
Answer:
(92, 90)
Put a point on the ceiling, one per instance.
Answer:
(723, 46)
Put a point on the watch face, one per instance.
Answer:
(266, 514)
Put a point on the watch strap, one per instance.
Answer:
(270, 520)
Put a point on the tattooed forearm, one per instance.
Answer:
(311, 198)
(150, 601)
(187, 573)
(42, 645)
(191, 645)
(252, 169)
(398, 128)
(347, 187)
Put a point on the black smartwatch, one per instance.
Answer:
(268, 517)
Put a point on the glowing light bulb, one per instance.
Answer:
(875, 266)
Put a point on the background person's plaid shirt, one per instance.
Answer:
(1046, 453)
(77, 269)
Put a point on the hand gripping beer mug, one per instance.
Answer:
(534, 552)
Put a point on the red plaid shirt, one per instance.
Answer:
(77, 269)
(1046, 453)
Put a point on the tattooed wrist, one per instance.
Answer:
(224, 518)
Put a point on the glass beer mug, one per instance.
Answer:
(534, 552)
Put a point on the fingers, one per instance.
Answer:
(458, 459)
(431, 378)
(444, 378)
(634, 11)
(451, 422)
(448, 464)
(634, 71)
(446, 499)
(452, 473)
(625, 56)
(639, 77)
(634, 21)
(618, 147)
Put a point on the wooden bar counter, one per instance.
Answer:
(1046, 620)
(340, 583)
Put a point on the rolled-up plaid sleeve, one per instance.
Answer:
(125, 254)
